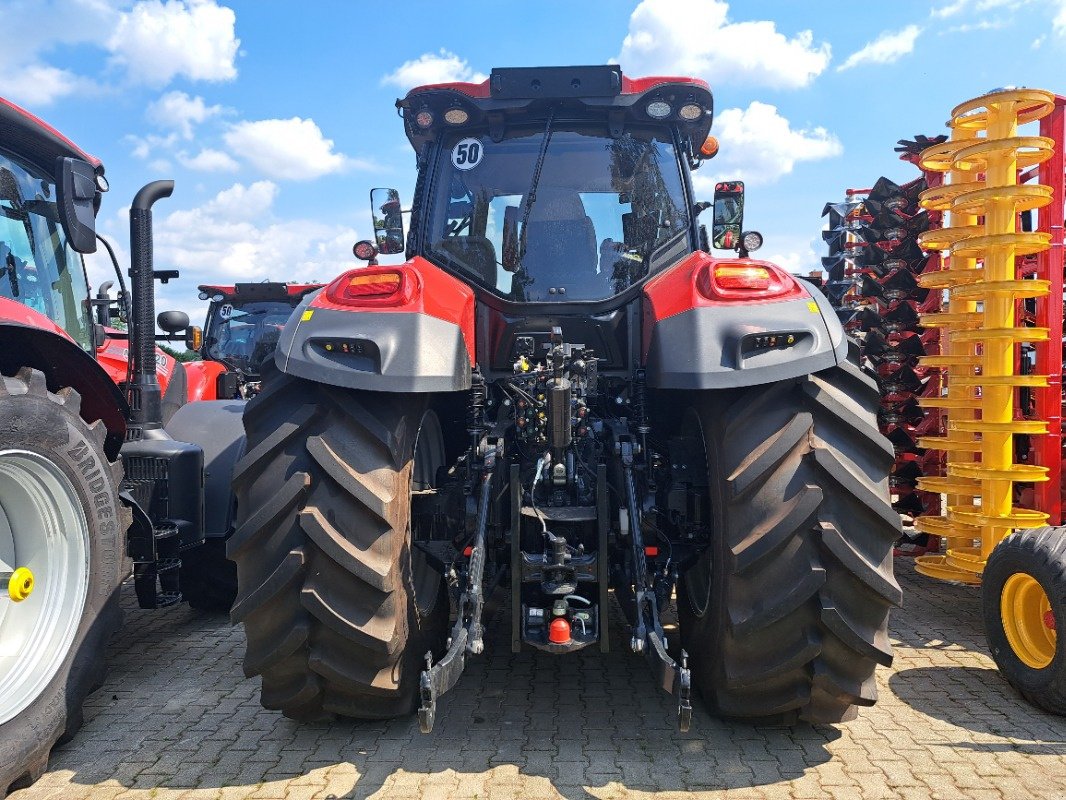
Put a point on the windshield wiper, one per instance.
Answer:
(531, 195)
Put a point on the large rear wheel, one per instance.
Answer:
(338, 608)
(60, 519)
(785, 615)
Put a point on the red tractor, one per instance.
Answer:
(244, 322)
(561, 391)
(92, 487)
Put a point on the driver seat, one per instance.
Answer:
(561, 249)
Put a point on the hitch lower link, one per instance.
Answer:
(648, 636)
(467, 636)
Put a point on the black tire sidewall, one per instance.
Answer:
(41, 425)
(705, 627)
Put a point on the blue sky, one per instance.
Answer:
(275, 118)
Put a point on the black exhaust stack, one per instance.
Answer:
(146, 401)
(163, 476)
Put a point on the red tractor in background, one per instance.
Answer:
(113, 354)
(242, 328)
(92, 486)
(562, 391)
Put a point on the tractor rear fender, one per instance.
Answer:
(203, 379)
(417, 338)
(699, 334)
(64, 363)
(216, 427)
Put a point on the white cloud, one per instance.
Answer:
(792, 253)
(158, 41)
(40, 84)
(885, 49)
(759, 145)
(292, 149)
(144, 146)
(208, 160)
(178, 111)
(1058, 23)
(696, 37)
(980, 25)
(950, 10)
(153, 41)
(442, 67)
(234, 236)
(976, 7)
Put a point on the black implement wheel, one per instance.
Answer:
(1023, 592)
(785, 615)
(60, 518)
(338, 609)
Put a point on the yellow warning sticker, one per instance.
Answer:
(307, 315)
(811, 306)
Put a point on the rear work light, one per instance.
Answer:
(740, 282)
(369, 287)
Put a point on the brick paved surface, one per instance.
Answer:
(177, 719)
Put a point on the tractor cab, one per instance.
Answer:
(38, 267)
(555, 185)
(243, 324)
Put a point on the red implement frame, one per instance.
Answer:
(1049, 311)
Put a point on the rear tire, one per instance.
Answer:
(1025, 567)
(78, 562)
(337, 609)
(785, 615)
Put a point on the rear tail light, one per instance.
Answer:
(369, 287)
(755, 278)
(746, 282)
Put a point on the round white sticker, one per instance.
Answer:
(467, 153)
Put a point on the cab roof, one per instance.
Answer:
(25, 135)
(518, 94)
(257, 292)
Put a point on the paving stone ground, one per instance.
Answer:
(176, 719)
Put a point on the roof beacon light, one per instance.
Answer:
(658, 109)
(709, 148)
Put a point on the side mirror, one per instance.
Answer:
(173, 321)
(728, 215)
(388, 221)
(75, 199)
(194, 337)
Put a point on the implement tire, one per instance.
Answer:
(61, 518)
(337, 609)
(1023, 595)
(785, 615)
